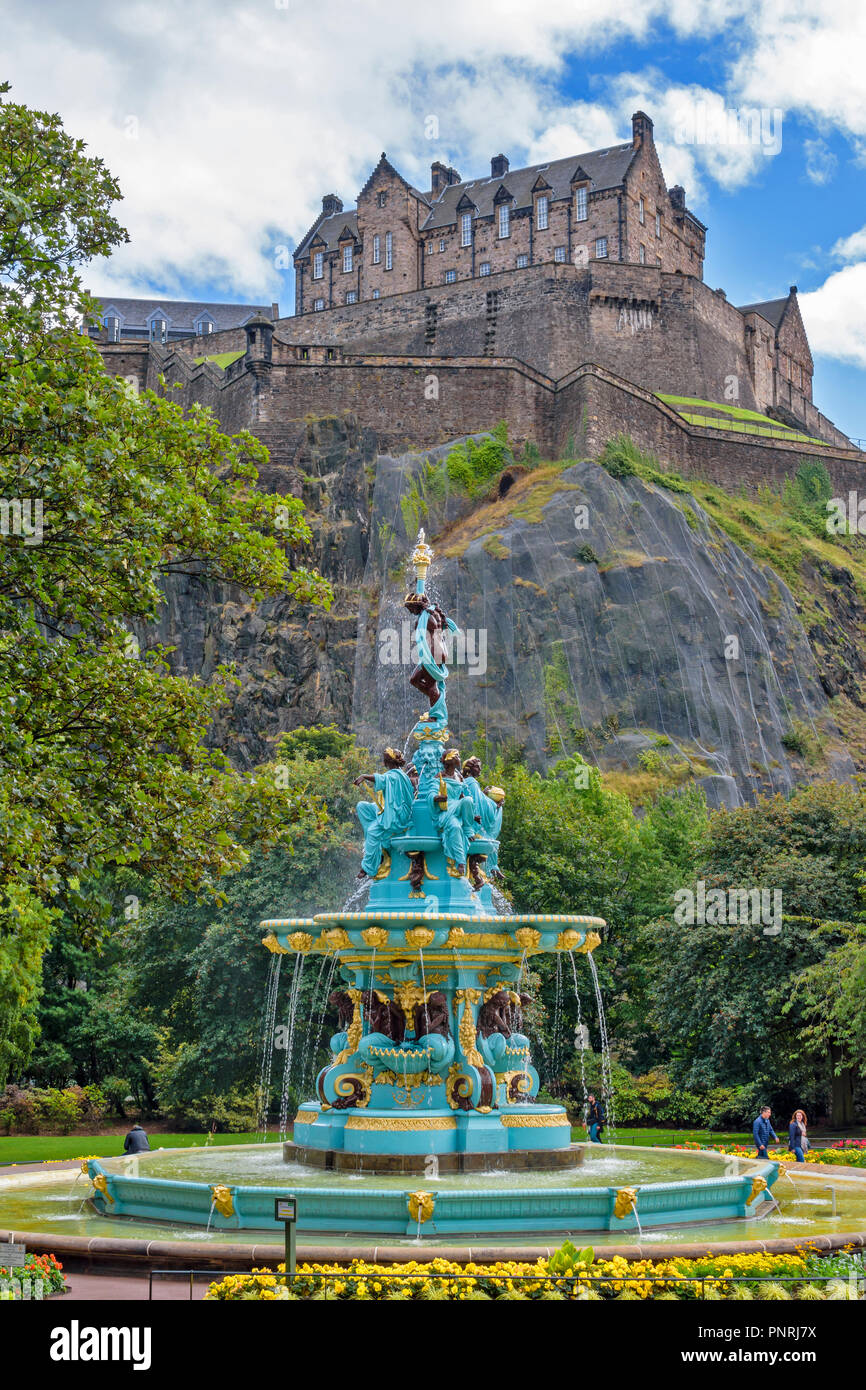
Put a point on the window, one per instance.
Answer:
(319, 304)
(641, 211)
(347, 259)
(600, 248)
(381, 199)
(504, 220)
(157, 330)
(430, 247)
(375, 294)
(541, 212)
(442, 243)
(389, 250)
(580, 205)
(203, 326)
(658, 224)
(559, 253)
(466, 229)
(484, 268)
(305, 354)
(112, 329)
(318, 265)
(450, 277)
(351, 296)
(522, 262)
(641, 254)
(377, 249)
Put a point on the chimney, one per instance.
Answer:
(641, 128)
(677, 195)
(498, 166)
(275, 311)
(453, 176)
(331, 204)
(438, 177)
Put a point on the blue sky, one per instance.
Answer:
(226, 120)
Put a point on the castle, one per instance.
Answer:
(566, 298)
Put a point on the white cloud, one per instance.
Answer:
(853, 247)
(226, 120)
(833, 315)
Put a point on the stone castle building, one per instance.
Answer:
(566, 298)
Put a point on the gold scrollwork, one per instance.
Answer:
(458, 1086)
(343, 1085)
(385, 867)
(466, 1029)
(356, 1028)
(401, 1122)
(534, 1121)
(222, 1199)
(421, 1206)
(626, 1201)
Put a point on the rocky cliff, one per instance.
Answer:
(611, 616)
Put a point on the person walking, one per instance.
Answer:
(136, 1141)
(762, 1131)
(594, 1118)
(797, 1140)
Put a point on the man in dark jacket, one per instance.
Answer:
(136, 1141)
(594, 1118)
(763, 1131)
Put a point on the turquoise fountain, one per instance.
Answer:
(431, 1070)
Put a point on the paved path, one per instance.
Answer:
(106, 1288)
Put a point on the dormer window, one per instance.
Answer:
(112, 328)
(504, 220)
(581, 204)
(466, 229)
(318, 265)
(347, 259)
(158, 330)
(203, 326)
(542, 212)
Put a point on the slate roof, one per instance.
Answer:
(769, 309)
(180, 314)
(330, 229)
(604, 169)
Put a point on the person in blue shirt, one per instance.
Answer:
(763, 1131)
(797, 1141)
(594, 1118)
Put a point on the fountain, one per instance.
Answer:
(431, 1070)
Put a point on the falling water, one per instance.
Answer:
(311, 1038)
(270, 1013)
(290, 1043)
(356, 899)
(606, 1081)
(556, 1063)
(580, 1031)
(308, 1080)
(500, 902)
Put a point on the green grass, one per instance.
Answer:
(220, 359)
(43, 1148)
(732, 417)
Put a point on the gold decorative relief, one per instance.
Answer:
(100, 1185)
(375, 937)
(300, 941)
(385, 867)
(534, 1121)
(458, 1086)
(421, 1206)
(626, 1201)
(222, 1199)
(528, 938)
(401, 1122)
(272, 944)
(592, 940)
(466, 1029)
(356, 1084)
(337, 938)
(568, 940)
(420, 936)
(758, 1185)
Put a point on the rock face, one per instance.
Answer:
(610, 617)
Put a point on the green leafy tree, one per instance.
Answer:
(104, 495)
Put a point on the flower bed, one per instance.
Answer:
(42, 1271)
(568, 1274)
(849, 1153)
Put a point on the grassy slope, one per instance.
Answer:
(43, 1148)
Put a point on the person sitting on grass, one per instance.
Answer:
(762, 1131)
(136, 1141)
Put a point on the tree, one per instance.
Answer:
(104, 494)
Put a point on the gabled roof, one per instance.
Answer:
(386, 167)
(769, 309)
(329, 230)
(182, 313)
(604, 169)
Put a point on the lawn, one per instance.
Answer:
(42, 1148)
